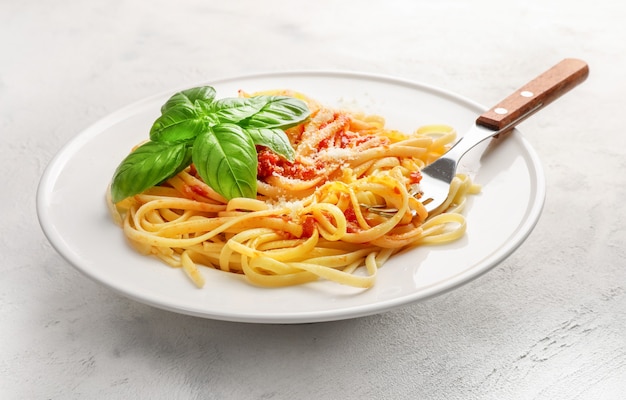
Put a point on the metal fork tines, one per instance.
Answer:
(437, 176)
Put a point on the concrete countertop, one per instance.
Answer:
(547, 323)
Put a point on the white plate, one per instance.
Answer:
(73, 214)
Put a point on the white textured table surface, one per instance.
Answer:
(548, 323)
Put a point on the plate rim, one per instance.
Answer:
(524, 229)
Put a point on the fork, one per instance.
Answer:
(500, 119)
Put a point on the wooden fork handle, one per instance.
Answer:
(535, 95)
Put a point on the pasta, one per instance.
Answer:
(338, 212)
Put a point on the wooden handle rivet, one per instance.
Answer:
(501, 111)
(526, 93)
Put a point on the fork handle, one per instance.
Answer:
(535, 95)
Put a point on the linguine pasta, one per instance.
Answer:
(338, 212)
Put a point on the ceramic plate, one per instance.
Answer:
(73, 215)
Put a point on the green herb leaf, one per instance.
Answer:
(176, 124)
(235, 109)
(275, 139)
(277, 112)
(148, 165)
(184, 115)
(226, 159)
(190, 98)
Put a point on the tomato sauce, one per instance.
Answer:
(353, 225)
(415, 177)
(308, 227)
(272, 164)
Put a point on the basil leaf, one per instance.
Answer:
(277, 112)
(180, 123)
(274, 139)
(226, 159)
(190, 98)
(235, 109)
(148, 165)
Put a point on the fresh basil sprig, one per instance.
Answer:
(218, 136)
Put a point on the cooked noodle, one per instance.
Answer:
(339, 212)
